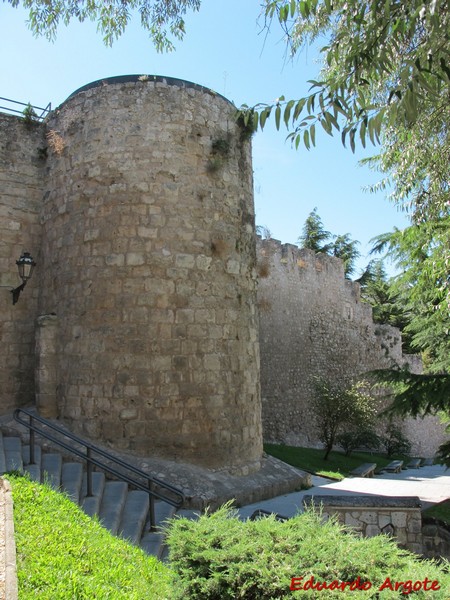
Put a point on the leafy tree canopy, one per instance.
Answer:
(382, 61)
(161, 18)
(341, 407)
(314, 234)
(422, 286)
(378, 290)
(316, 238)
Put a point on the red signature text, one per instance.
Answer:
(405, 587)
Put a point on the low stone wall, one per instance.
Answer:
(399, 518)
(436, 541)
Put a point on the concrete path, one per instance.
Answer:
(430, 484)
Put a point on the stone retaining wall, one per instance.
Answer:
(399, 518)
(436, 540)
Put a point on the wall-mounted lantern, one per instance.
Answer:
(25, 265)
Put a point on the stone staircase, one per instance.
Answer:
(124, 511)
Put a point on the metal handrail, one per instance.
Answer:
(41, 117)
(153, 486)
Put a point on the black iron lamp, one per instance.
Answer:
(25, 265)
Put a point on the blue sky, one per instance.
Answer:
(225, 49)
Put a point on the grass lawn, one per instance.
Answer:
(439, 511)
(62, 554)
(337, 466)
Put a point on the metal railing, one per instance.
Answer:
(92, 455)
(11, 109)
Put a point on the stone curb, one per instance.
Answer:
(11, 587)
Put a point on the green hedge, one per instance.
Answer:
(220, 557)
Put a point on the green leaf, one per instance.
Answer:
(306, 139)
(352, 139)
(293, 7)
(283, 13)
(298, 108)
(264, 116)
(310, 103)
(325, 124)
(277, 116)
(287, 111)
(312, 132)
(362, 134)
(304, 9)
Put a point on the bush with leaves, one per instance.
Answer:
(394, 442)
(341, 407)
(220, 557)
(362, 438)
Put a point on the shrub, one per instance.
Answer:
(351, 440)
(220, 557)
(395, 442)
(340, 407)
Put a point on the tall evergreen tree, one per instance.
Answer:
(346, 249)
(377, 289)
(314, 236)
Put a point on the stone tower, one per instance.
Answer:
(147, 273)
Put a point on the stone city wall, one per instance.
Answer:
(313, 323)
(135, 199)
(22, 161)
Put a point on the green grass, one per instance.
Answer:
(439, 511)
(62, 554)
(337, 466)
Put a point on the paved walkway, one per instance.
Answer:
(430, 484)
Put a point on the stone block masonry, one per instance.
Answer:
(147, 281)
(140, 327)
(313, 324)
(368, 516)
(22, 164)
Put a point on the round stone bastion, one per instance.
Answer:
(149, 272)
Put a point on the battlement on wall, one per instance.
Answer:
(309, 269)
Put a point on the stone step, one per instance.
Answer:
(91, 504)
(152, 542)
(51, 467)
(71, 480)
(134, 516)
(13, 453)
(2, 456)
(111, 507)
(121, 511)
(26, 455)
(34, 472)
